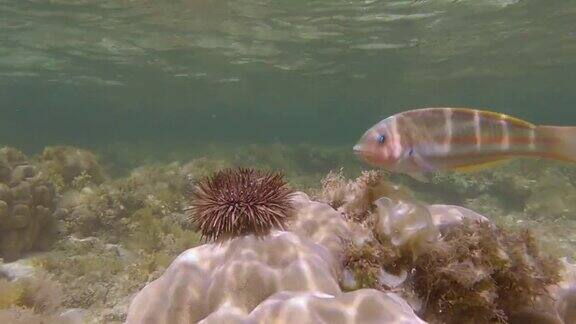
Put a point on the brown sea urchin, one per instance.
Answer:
(237, 202)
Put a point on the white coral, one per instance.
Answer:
(287, 276)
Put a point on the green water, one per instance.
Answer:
(288, 85)
(175, 75)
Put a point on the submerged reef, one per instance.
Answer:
(113, 237)
(27, 204)
(411, 261)
(127, 248)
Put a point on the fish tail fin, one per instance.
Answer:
(559, 142)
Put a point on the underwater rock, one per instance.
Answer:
(30, 296)
(27, 316)
(565, 293)
(446, 215)
(248, 278)
(566, 304)
(27, 204)
(360, 306)
(72, 316)
(18, 269)
(321, 224)
(405, 224)
(408, 223)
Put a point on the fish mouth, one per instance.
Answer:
(365, 155)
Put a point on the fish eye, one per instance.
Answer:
(381, 138)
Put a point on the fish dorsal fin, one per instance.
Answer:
(497, 116)
(481, 166)
(421, 177)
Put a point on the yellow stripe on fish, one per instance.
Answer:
(437, 139)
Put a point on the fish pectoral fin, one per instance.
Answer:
(481, 166)
(425, 168)
(424, 165)
(419, 177)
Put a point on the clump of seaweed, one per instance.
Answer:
(528, 273)
(367, 262)
(160, 235)
(469, 270)
(483, 274)
(71, 167)
(454, 277)
(356, 198)
(237, 202)
(335, 189)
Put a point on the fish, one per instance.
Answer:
(424, 141)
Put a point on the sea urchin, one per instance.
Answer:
(237, 202)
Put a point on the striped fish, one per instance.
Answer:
(428, 140)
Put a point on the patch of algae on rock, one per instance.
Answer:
(109, 210)
(100, 277)
(31, 299)
(522, 193)
(538, 188)
(71, 167)
(303, 164)
(120, 235)
(114, 235)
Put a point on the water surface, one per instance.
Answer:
(180, 73)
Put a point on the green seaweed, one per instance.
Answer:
(482, 274)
